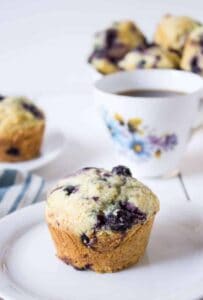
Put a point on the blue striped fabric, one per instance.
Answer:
(7, 179)
(39, 192)
(18, 190)
(25, 187)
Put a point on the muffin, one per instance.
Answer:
(101, 220)
(151, 56)
(112, 44)
(192, 59)
(172, 31)
(21, 130)
(103, 64)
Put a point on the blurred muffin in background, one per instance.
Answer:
(103, 64)
(151, 56)
(112, 44)
(172, 31)
(192, 59)
(21, 130)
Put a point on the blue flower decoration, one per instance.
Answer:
(141, 148)
(138, 143)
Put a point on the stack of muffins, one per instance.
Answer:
(178, 44)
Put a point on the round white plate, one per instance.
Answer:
(170, 269)
(53, 144)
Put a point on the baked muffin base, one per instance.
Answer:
(23, 145)
(112, 254)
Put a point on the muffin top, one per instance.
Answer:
(172, 31)
(17, 113)
(124, 33)
(111, 44)
(151, 56)
(94, 199)
(128, 34)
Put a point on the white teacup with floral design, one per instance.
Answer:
(150, 132)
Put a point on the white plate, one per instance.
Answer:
(53, 144)
(171, 268)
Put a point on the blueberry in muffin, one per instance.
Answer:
(101, 220)
(21, 130)
(111, 45)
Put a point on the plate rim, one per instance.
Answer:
(33, 214)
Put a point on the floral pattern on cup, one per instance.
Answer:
(134, 137)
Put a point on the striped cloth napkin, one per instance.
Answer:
(18, 190)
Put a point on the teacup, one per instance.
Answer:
(150, 132)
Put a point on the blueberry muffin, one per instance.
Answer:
(103, 65)
(192, 59)
(21, 130)
(101, 220)
(151, 56)
(172, 31)
(112, 44)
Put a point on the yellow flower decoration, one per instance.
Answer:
(157, 153)
(138, 148)
(133, 125)
(119, 118)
